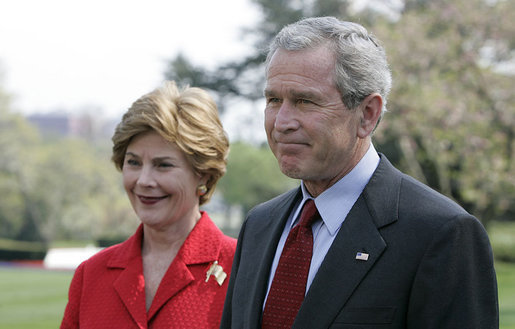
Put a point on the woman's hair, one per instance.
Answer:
(361, 67)
(189, 119)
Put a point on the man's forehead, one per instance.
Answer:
(292, 91)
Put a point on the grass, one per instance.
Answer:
(502, 237)
(32, 298)
(506, 284)
(35, 299)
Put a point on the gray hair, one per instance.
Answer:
(361, 67)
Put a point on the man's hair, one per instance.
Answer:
(361, 67)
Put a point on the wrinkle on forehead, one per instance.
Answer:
(307, 68)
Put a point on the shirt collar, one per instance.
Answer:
(335, 203)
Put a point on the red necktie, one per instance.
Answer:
(289, 284)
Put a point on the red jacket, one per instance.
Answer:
(107, 290)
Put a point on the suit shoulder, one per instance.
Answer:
(431, 211)
(102, 257)
(207, 230)
(421, 198)
(228, 244)
(270, 205)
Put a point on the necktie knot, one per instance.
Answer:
(309, 214)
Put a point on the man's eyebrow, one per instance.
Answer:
(305, 95)
(268, 93)
(294, 94)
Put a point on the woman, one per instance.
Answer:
(173, 272)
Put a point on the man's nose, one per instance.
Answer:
(286, 118)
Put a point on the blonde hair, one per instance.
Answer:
(187, 118)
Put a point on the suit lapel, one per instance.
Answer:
(269, 230)
(340, 272)
(202, 246)
(177, 277)
(130, 284)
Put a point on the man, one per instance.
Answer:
(387, 251)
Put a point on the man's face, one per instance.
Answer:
(310, 131)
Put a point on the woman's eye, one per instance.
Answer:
(165, 165)
(132, 162)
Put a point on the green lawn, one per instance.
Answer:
(35, 299)
(506, 283)
(32, 298)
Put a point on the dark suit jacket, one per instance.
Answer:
(430, 263)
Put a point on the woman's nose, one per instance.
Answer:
(146, 177)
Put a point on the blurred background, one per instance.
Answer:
(70, 69)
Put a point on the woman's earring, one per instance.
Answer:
(201, 190)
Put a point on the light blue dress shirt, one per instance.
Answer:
(333, 205)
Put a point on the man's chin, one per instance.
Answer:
(291, 171)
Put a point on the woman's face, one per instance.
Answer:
(160, 182)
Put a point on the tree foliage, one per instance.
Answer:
(57, 189)
(452, 115)
(450, 123)
(252, 176)
(452, 118)
(86, 200)
(17, 140)
(244, 78)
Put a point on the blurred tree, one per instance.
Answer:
(452, 120)
(452, 115)
(19, 215)
(57, 188)
(252, 172)
(252, 176)
(244, 78)
(86, 199)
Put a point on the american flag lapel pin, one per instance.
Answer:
(362, 256)
(217, 271)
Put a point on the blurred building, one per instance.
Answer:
(61, 124)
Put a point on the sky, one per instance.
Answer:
(75, 55)
(99, 56)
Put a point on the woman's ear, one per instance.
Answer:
(204, 178)
(202, 184)
(370, 111)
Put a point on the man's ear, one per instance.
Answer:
(370, 112)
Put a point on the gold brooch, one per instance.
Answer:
(217, 271)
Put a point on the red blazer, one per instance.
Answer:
(107, 290)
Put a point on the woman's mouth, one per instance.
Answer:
(149, 200)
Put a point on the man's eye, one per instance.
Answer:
(304, 101)
(273, 100)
